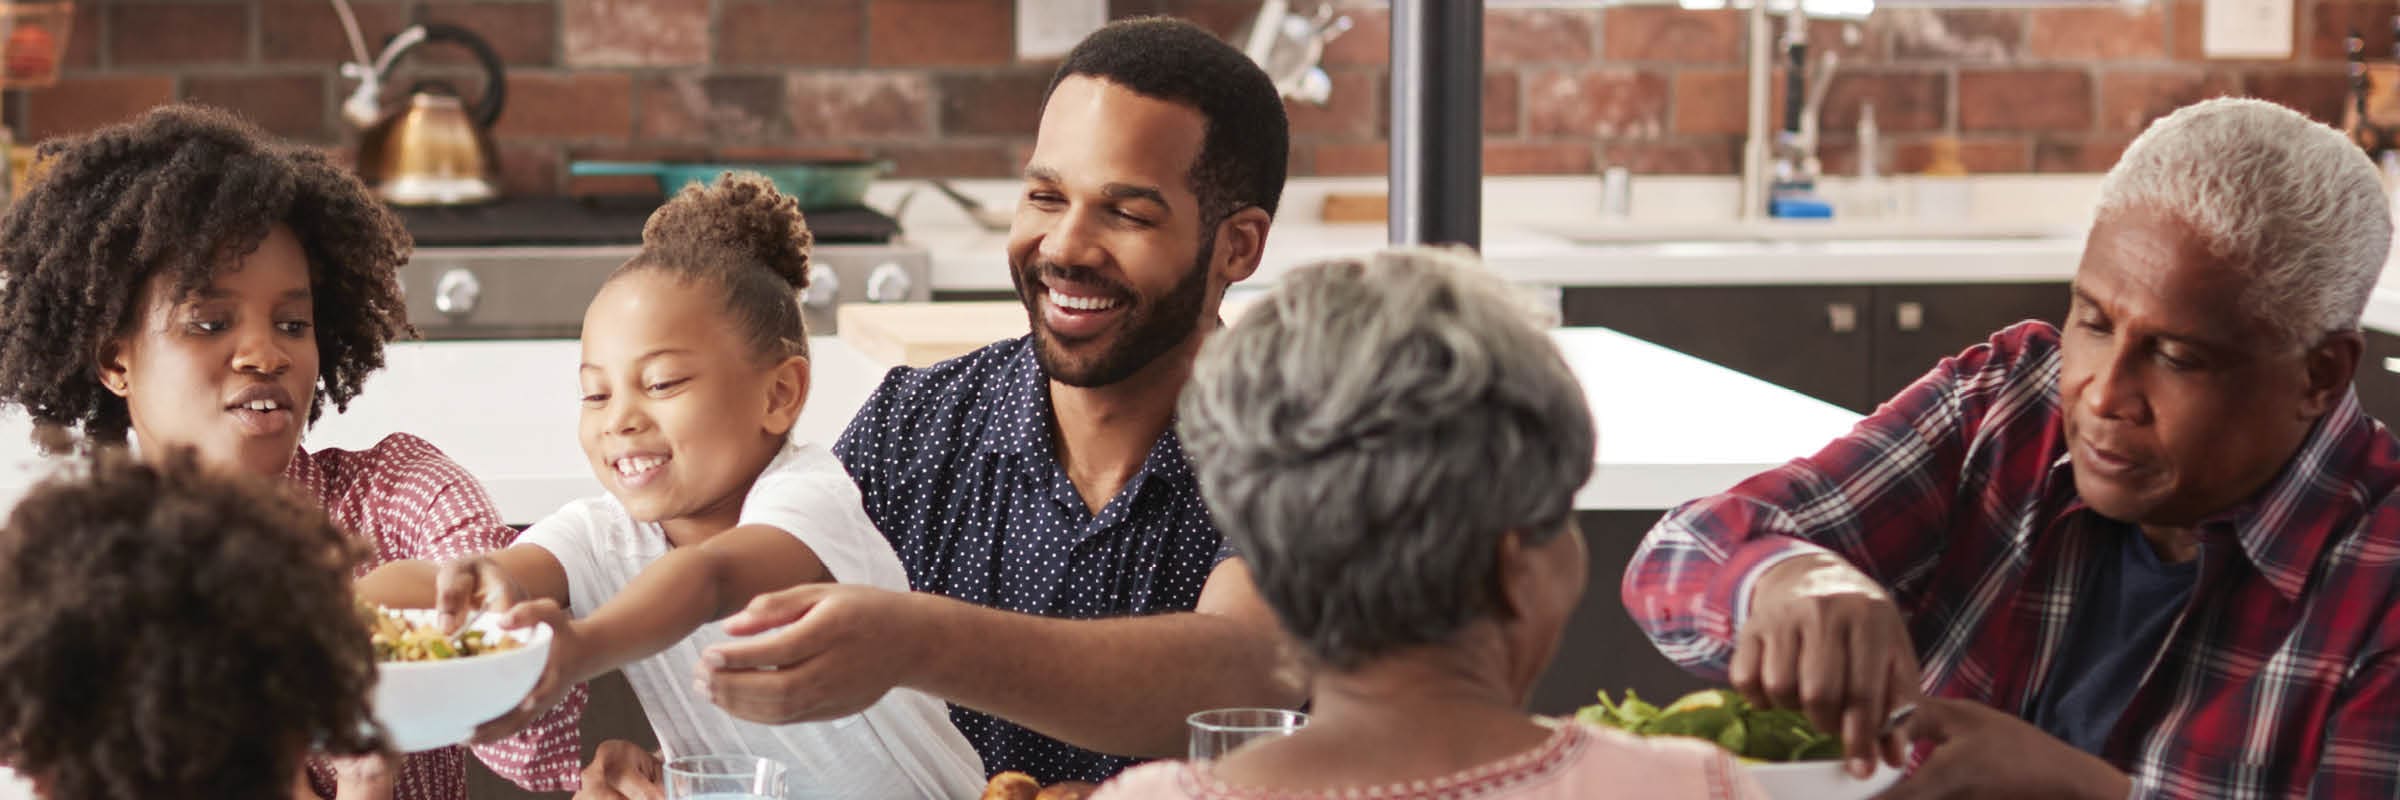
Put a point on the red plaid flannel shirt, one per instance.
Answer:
(2281, 677)
(413, 502)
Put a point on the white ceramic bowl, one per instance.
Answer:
(432, 704)
(1820, 780)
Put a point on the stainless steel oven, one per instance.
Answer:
(526, 268)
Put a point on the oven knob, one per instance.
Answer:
(888, 284)
(824, 287)
(456, 292)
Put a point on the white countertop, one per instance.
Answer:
(1672, 427)
(1531, 225)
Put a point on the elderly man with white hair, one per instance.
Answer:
(2155, 553)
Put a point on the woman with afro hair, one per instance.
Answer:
(183, 281)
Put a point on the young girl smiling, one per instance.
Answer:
(694, 371)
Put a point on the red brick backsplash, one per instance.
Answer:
(523, 34)
(307, 32)
(587, 106)
(940, 33)
(157, 34)
(860, 106)
(1664, 33)
(2098, 34)
(936, 86)
(2129, 100)
(1516, 37)
(285, 105)
(1537, 158)
(83, 102)
(1600, 103)
(2026, 100)
(83, 43)
(635, 33)
(792, 32)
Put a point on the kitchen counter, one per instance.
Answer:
(1672, 427)
(1537, 232)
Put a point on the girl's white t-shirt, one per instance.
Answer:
(902, 746)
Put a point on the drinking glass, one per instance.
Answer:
(1221, 731)
(724, 778)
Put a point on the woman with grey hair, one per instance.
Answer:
(1395, 449)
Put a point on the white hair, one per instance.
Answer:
(2292, 203)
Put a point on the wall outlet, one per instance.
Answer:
(1050, 28)
(2247, 29)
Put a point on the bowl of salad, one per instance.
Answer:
(1779, 748)
(432, 689)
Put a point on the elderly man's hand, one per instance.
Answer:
(1979, 751)
(1824, 638)
(815, 652)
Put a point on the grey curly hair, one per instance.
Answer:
(2291, 202)
(1367, 434)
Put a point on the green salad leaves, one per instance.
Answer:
(1720, 716)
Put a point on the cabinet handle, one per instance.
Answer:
(1842, 317)
(2392, 364)
(1909, 316)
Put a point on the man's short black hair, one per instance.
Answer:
(1245, 150)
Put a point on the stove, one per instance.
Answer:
(525, 268)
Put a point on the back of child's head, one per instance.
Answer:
(170, 633)
(178, 192)
(747, 241)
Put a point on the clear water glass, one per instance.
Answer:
(725, 778)
(1218, 732)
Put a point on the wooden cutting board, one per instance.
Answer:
(923, 334)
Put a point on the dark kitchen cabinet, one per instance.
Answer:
(1852, 346)
(1918, 326)
(2378, 378)
(1601, 647)
(1810, 339)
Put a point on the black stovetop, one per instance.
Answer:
(602, 220)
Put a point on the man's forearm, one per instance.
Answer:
(1121, 686)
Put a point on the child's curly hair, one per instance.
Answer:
(177, 192)
(747, 239)
(169, 633)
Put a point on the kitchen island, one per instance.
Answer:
(1672, 427)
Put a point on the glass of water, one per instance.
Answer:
(724, 778)
(1220, 731)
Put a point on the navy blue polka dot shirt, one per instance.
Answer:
(959, 468)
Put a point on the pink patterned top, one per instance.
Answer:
(413, 502)
(1579, 761)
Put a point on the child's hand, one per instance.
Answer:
(621, 770)
(559, 674)
(460, 585)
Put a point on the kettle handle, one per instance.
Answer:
(495, 73)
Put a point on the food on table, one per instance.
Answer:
(1020, 786)
(1723, 717)
(398, 639)
(1012, 786)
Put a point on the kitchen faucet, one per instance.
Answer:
(1793, 148)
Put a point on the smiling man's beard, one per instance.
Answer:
(1150, 328)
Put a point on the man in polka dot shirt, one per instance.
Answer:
(1073, 597)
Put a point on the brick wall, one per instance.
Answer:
(934, 84)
